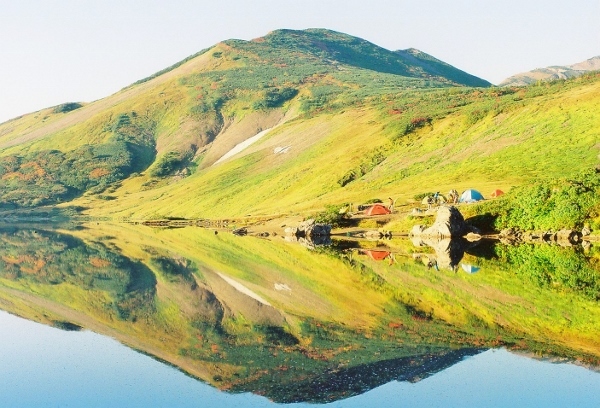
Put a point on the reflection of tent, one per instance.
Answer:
(470, 196)
(470, 268)
(377, 209)
(496, 193)
(376, 255)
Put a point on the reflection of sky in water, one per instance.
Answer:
(43, 366)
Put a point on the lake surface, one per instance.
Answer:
(127, 316)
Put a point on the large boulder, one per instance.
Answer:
(448, 223)
(309, 229)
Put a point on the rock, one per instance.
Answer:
(291, 231)
(472, 237)
(317, 230)
(448, 223)
(373, 235)
(240, 231)
(568, 235)
(585, 231)
(306, 225)
(417, 230)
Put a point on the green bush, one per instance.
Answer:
(332, 215)
(274, 98)
(547, 205)
(67, 107)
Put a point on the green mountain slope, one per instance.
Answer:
(292, 122)
(434, 66)
(391, 146)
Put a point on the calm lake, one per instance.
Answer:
(124, 316)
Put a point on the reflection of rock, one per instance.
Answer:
(565, 237)
(448, 223)
(570, 236)
(448, 252)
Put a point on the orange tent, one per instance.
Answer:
(376, 255)
(496, 193)
(377, 209)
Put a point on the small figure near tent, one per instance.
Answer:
(470, 196)
(391, 206)
(453, 196)
(496, 193)
(429, 202)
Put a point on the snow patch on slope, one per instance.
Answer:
(241, 146)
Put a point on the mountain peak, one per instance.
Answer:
(553, 73)
(354, 51)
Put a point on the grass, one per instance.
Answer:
(500, 150)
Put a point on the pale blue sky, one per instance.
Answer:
(54, 51)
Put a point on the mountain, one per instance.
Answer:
(553, 73)
(291, 122)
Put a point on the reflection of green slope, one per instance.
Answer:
(287, 319)
(48, 258)
(562, 269)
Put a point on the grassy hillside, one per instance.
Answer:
(394, 145)
(341, 119)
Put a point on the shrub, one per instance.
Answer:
(332, 215)
(276, 97)
(67, 107)
(547, 205)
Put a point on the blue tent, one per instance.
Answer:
(470, 268)
(470, 196)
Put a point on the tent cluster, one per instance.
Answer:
(468, 196)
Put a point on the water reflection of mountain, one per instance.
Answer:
(49, 258)
(270, 317)
(341, 383)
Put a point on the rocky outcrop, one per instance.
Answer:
(449, 223)
(311, 231)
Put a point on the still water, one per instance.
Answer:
(124, 316)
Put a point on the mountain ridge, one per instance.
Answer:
(553, 72)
